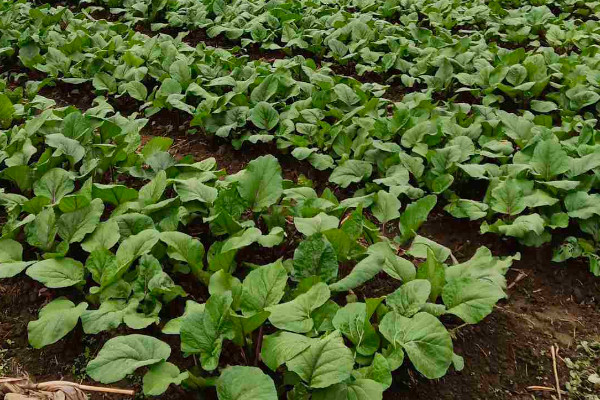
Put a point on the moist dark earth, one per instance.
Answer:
(548, 304)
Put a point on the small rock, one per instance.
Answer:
(578, 295)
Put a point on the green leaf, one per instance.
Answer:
(295, 315)
(135, 246)
(359, 389)
(122, 355)
(379, 256)
(346, 94)
(352, 322)
(114, 194)
(464, 208)
(261, 184)
(386, 207)
(325, 362)
(264, 116)
(71, 148)
(73, 226)
(203, 333)
(433, 271)
(471, 299)
(508, 198)
(351, 171)
(245, 383)
(109, 316)
(193, 189)
(424, 338)
(582, 205)
(543, 106)
(42, 231)
(54, 185)
(104, 82)
(159, 376)
(105, 236)
(379, 371)
(319, 223)
(315, 256)
(7, 110)
(549, 159)
(11, 256)
(281, 347)
(137, 90)
(152, 192)
(263, 287)
(522, 225)
(57, 272)
(244, 325)
(408, 299)
(56, 320)
(183, 247)
(414, 216)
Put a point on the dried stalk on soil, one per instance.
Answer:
(24, 389)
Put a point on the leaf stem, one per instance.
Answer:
(258, 346)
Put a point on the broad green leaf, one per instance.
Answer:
(137, 90)
(295, 315)
(264, 116)
(352, 322)
(203, 333)
(471, 299)
(346, 94)
(56, 320)
(7, 110)
(379, 371)
(351, 171)
(508, 198)
(57, 272)
(386, 207)
(54, 185)
(281, 347)
(182, 247)
(73, 226)
(42, 231)
(105, 236)
(549, 159)
(68, 147)
(135, 246)
(522, 225)
(159, 376)
(325, 362)
(151, 192)
(315, 256)
(11, 256)
(122, 355)
(380, 256)
(319, 223)
(414, 216)
(263, 287)
(582, 205)
(261, 184)
(114, 194)
(359, 389)
(245, 383)
(104, 82)
(194, 190)
(408, 299)
(109, 316)
(433, 271)
(424, 338)
(464, 208)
